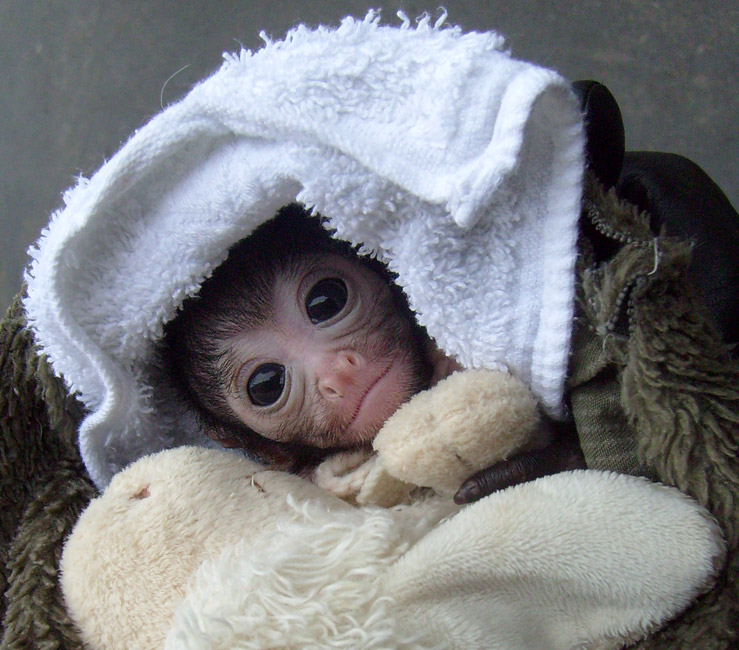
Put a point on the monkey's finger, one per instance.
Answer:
(518, 469)
(562, 455)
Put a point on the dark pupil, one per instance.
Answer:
(265, 384)
(326, 299)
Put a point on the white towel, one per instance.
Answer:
(455, 164)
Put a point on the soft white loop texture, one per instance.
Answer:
(457, 165)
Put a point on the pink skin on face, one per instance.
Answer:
(343, 377)
(366, 394)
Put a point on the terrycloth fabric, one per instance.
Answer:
(453, 163)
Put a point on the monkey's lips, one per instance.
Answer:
(382, 397)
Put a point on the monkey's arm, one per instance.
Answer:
(561, 455)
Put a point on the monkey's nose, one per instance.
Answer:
(339, 375)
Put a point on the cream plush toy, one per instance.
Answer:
(195, 548)
(486, 417)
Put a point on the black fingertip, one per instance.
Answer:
(468, 493)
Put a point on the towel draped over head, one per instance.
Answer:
(453, 163)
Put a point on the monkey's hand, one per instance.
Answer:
(469, 421)
(561, 455)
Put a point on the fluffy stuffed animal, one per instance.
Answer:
(196, 548)
(487, 416)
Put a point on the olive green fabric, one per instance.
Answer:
(44, 488)
(652, 390)
(655, 392)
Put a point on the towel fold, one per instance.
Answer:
(455, 164)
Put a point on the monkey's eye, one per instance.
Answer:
(266, 383)
(326, 299)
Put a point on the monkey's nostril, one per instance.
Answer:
(330, 390)
(352, 358)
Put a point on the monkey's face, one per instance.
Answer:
(335, 359)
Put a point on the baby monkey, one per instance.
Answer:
(296, 346)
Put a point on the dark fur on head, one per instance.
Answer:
(236, 297)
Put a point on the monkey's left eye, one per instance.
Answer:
(266, 383)
(326, 299)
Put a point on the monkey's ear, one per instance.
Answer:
(465, 423)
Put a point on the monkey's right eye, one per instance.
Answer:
(266, 383)
(326, 299)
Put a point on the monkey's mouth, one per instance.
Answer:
(381, 411)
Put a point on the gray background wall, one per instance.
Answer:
(77, 77)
